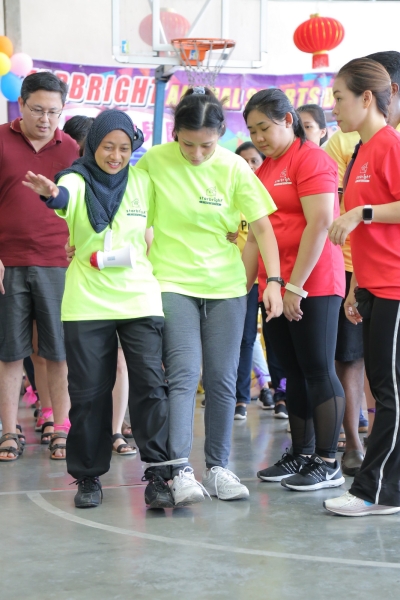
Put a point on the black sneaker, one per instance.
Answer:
(240, 413)
(280, 391)
(285, 467)
(89, 492)
(315, 475)
(157, 493)
(280, 411)
(266, 399)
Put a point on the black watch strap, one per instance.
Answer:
(278, 279)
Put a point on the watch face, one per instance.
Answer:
(367, 214)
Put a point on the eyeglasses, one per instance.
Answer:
(38, 112)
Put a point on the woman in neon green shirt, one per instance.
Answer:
(200, 191)
(100, 196)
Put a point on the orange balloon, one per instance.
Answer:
(6, 45)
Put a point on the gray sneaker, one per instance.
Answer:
(224, 484)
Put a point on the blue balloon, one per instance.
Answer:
(10, 86)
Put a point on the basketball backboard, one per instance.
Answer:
(142, 29)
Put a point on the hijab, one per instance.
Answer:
(103, 192)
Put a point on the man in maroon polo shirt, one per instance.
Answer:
(32, 256)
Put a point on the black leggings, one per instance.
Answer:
(314, 395)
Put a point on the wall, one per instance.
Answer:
(79, 31)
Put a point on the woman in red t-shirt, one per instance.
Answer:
(302, 179)
(362, 92)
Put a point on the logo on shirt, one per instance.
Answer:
(136, 209)
(211, 197)
(363, 177)
(283, 179)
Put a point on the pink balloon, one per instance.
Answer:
(21, 64)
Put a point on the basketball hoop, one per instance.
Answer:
(203, 58)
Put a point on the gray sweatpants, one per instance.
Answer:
(212, 329)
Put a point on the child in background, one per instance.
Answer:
(78, 127)
(314, 123)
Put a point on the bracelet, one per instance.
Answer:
(372, 411)
(296, 290)
(277, 279)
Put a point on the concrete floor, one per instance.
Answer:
(278, 545)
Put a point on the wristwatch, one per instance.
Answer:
(367, 214)
(278, 279)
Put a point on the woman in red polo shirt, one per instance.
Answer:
(302, 180)
(362, 92)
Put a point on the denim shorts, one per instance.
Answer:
(32, 293)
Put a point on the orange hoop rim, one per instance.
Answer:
(202, 43)
(192, 51)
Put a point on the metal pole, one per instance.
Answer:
(12, 22)
(161, 79)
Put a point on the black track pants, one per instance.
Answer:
(378, 480)
(91, 348)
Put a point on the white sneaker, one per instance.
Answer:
(351, 506)
(224, 484)
(185, 489)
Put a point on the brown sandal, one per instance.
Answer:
(45, 438)
(53, 447)
(118, 450)
(126, 430)
(10, 449)
(20, 435)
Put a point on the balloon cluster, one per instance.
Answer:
(12, 68)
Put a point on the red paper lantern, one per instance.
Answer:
(317, 36)
(174, 25)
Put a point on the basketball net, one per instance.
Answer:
(203, 58)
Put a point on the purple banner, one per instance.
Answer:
(93, 89)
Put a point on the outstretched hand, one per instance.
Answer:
(41, 185)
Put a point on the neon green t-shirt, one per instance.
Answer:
(117, 292)
(195, 207)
